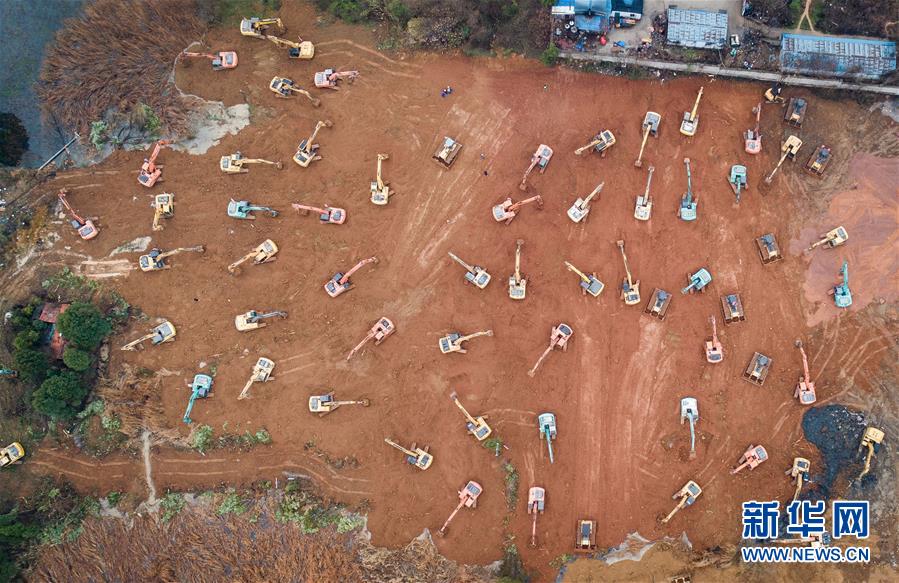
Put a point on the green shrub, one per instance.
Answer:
(26, 339)
(31, 364)
(231, 504)
(83, 325)
(202, 438)
(77, 359)
(99, 134)
(60, 396)
(350, 10)
(171, 504)
(550, 55)
(263, 437)
(398, 12)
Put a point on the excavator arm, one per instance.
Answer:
(646, 129)
(381, 157)
(134, 343)
(518, 245)
(696, 105)
(583, 149)
(580, 273)
(355, 268)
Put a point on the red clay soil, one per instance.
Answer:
(621, 452)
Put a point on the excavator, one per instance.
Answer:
(477, 426)
(257, 27)
(872, 436)
(714, 352)
(643, 207)
(842, 295)
(769, 250)
(508, 210)
(329, 78)
(546, 423)
(536, 505)
(263, 253)
(687, 209)
(600, 143)
(732, 307)
(757, 370)
(8, 373)
(690, 123)
(558, 338)
(446, 152)
(286, 88)
(738, 180)
(420, 458)
(585, 536)
(630, 289)
(155, 259)
(164, 332)
(340, 282)
(244, 209)
(796, 110)
(200, 388)
(651, 123)
(234, 164)
(832, 238)
(581, 207)
(805, 388)
(788, 149)
(324, 404)
(326, 216)
(150, 173)
(658, 304)
(11, 454)
(468, 498)
(819, 160)
(380, 191)
(540, 159)
(753, 138)
(262, 373)
(686, 496)
(380, 331)
(301, 49)
(86, 228)
(452, 342)
(772, 95)
(799, 474)
(518, 285)
(751, 458)
(590, 284)
(307, 151)
(473, 273)
(689, 411)
(698, 281)
(253, 319)
(221, 60)
(163, 208)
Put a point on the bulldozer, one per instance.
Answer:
(686, 496)
(581, 207)
(842, 295)
(585, 536)
(872, 436)
(164, 332)
(546, 423)
(819, 160)
(799, 474)
(150, 173)
(805, 388)
(474, 274)
(340, 282)
(163, 208)
(447, 152)
(687, 209)
(714, 352)
(452, 342)
(380, 191)
(221, 60)
(85, 228)
(643, 206)
(590, 284)
(234, 164)
(738, 180)
(301, 49)
(262, 373)
(536, 505)
(257, 27)
(286, 88)
(380, 331)
(630, 289)
(753, 138)
(689, 411)
(518, 285)
(468, 498)
(658, 304)
(539, 160)
(244, 209)
(651, 123)
(507, 210)
(788, 149)
(155, 259)
(558, 338)
(420, 458)
(263, 253)
(757, 370)
(477, 426)
(307, 150)
(690, 123)
(697, 281)
(832, 238)
(324, 404)
(751, 458)
(326, 216)
(253, 320)
(600, 143)
(732, 307)
(329, 78)
(200, 388)
(11, 454)
(795, 113)
(769, 250)
(772, 95)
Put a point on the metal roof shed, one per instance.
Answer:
(701, 29)
(836, 56)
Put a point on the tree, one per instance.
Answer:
(76, 359)
(31, 364)
(60, 396)
(13, 139)
(83, 325)
(25, 339)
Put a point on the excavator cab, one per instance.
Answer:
(164, 332)
(11, 454)
(819, 160)
(253, 320)
(796, 110)
(658, 304)
(415, 456)
(446, 152)
(518, 285)
(163, 208)
(757, 370)
(257, 27)
(697, 281)
(769, 250)
(324, 404)
(585, 537)
(244, 209)
(732, 307)
(751, 458)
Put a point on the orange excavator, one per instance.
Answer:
(468, 498)
(340, 282)
(805, 388)
(536, 504)
(85, 227)
(381, 330)
(540, 158)
(558, 338)
(220, 61)
(150, 173)
(751, 458)
(328, 78)
(327, 216)
(506, 210)
(714, 352)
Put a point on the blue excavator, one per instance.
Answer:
(698, 281)
(689, 411)
(842, 297)
(200, 389)
(244, 209)
(547, 424)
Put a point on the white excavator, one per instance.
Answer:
(650, 126)
(600, 144)
(324, 404)
(832, 238)
(301, 49)
(477, 426)
(686, 496)
(540, 159)
(155, 259)
(287, 88)
(643, 207)
(788, 149)
(690, 123)
(508, 210)
(253, 320)
(262, 253)
(163, 208)
(630, 289)
(518, 285)
(234, 163)
(474, 274)
(581, 207)
(380, 190)
(262, 373)
(164, 332)
(452, 342)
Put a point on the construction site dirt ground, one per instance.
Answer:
(621, 451)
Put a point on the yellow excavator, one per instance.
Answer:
(415, 456)
(477, 426)
(234, 164)
(518, 285)
(630, 289)
(452, 342)
(873, 436)
(690, 123)
(262, 253)
(788, 149)
(257, 27)
(164, 332)
(163, 208)
(155, 259)
(11, 454)
(307, 151)
(302, 49)
(380, 190)
(799, 473)
(687, 495)
(262, 373)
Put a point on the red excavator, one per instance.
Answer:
(805, 388)
(714, 352)
(85, 227)
(340, 282)
(220, 61)
(149, 172)
(328, 78)
(506, 210)
(468, 497)
(536, 502)
(540, 158)
(559, 337)
(328, 215)
(751, 458)
(381, 330)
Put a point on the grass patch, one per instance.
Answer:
(201, 440)
(511, 480)
(171, 504)
(561, 560)
(113, 498)
(231, 504)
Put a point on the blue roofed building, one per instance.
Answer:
(589, 15)
(837, 56)
(700, 29)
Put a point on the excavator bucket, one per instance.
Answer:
(732, 307)
(658, 304)
(757, 370)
